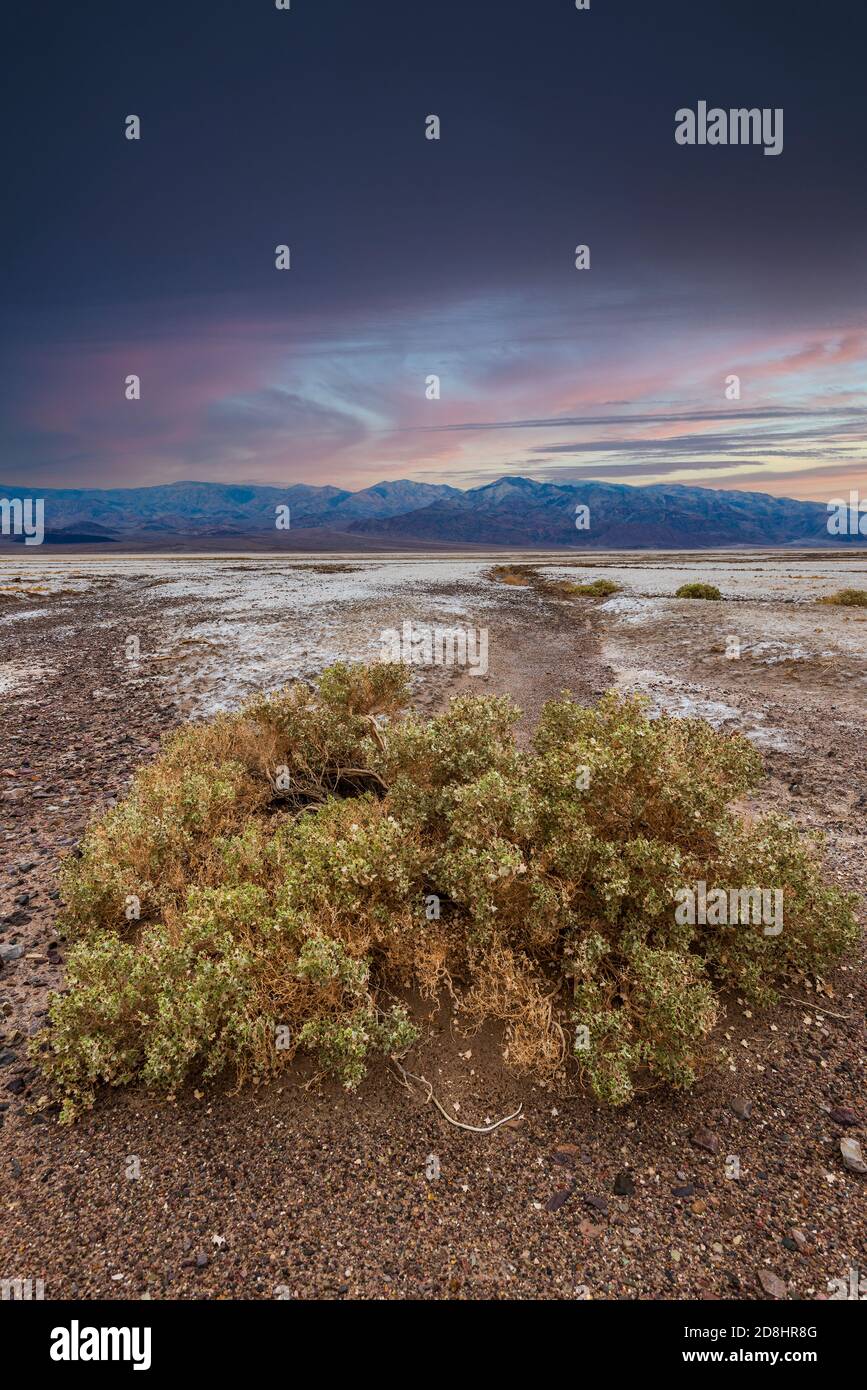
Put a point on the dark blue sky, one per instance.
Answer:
(412, 257)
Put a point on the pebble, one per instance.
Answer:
(853, 1159)
(705, 1139)
(842, 1115)
(772, 1284)
(559, 1199)
(590, 1230)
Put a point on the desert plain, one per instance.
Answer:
(299, 1190)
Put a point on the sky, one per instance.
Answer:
(413, 258)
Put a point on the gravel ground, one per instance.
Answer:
(299, 1191)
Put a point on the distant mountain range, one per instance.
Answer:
(511, 512)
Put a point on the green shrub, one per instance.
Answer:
(598, 588)
(695, 590)
(847, 598)
(300, 862)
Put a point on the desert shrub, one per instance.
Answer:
(150, 845)
(524, 575)
(696, 590)
(598, 588)
(519, 575)
(847, 598)
(539, 887)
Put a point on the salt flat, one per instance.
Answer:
(220, 628)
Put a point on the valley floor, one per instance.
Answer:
(301, 1191)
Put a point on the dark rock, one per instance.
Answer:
(558, 1199)
(688, 1190)
(705, 1139)
(742, 1107)
(624, 1185)
(598, 1204)
(842, 1115)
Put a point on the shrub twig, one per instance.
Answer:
(815, 1008)
(406, 1076)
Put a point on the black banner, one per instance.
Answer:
(216, 1338)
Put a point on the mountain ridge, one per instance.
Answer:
(510, 511)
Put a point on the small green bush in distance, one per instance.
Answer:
(696, 590)
(847, 598)
(302, 863)
(598, 588)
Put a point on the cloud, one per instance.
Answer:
(337, 394)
